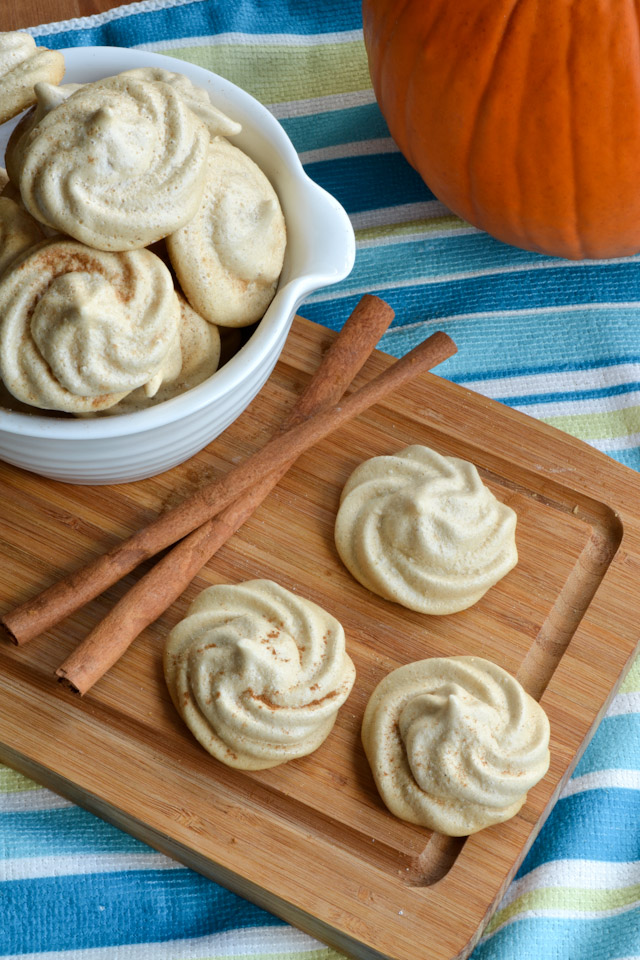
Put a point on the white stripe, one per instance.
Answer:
(357, 148)
(30, 868)
(252, 941)
(27, 801)
(567, 407)
(522, 312)
(588, 874)
(98, 19)
(611, 444)
(492, 271)
(624, 703)
(603, 779)
(566, 380)
(553, 914)
(255, 39)
(387, 216)
(326, 104)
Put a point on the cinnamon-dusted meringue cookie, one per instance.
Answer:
(18, 231)
(80, 328)
(454, 743)
(218, 123)
(47, 97)
(22, 65)
(118, 165)
(229, 256)
(193, 359)
(423, 530)
(257, 673)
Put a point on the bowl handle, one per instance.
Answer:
(325, 248)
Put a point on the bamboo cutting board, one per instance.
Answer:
(310, 840)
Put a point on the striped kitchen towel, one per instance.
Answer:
(559, 340)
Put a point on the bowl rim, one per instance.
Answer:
(270, 328)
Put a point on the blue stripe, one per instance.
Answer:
(614, 390)
(348, 125)
(548, 938)
(560, 367)
(369, 182)
(206, 17)
(104, 910)
(576, 336)
(443, 258)
(628, 458)
(615, 746)
(593, 825)
(62, 832)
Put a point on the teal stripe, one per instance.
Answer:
(336, 127)
(63, 832)
(549, 938)
(441, 259)
(614, 746)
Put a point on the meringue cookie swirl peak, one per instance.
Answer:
(118, 165)
(81, 328)
(257, 673)
(454, 743)
(22, 65)
(423, 530)
(218, 123)
(229, 257)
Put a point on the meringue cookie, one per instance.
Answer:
(80, 328)
(217, 123)
(423, 530)
(22, 65)
(228, 258)
(257, 673)
(454, 743)
(18, 231)
(118, 165)
(48, 96)
(194, 358)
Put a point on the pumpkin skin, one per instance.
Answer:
(522, 116)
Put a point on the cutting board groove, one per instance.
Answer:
(311, 840)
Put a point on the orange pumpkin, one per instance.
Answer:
(522, 116)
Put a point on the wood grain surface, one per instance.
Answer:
(31, 13)
(311, 840)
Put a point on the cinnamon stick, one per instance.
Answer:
(68, 595)
(170, 577)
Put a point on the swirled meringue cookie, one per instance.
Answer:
(80, 328)
(22, 65)
(228, 258)
(217, 123)
(193, 359)
(423, 530)
(257, 673)
(118, 165)
(454, 743)
(48, 96)
(18, 231)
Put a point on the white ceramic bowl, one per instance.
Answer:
(320, 251)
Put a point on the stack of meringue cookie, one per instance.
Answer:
(92, 321)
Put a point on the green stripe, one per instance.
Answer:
(631, 683)
(13, 782)
(598, 426)
(567, 898)
(277, 74)
(448, 222)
